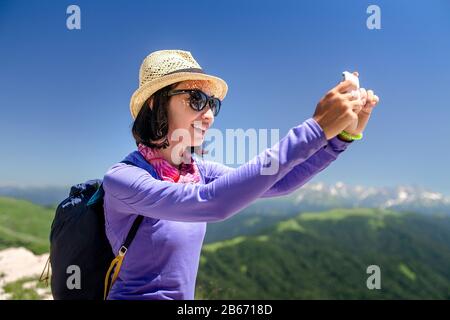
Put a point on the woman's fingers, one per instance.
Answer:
(363, 94)
(352, 95)
(345, 86)
(376, 99)
(372, 98)
(356, 105)
(370, 95)
(356, 95)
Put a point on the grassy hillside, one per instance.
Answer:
(24, 224)
(307, 256)
(325, 256)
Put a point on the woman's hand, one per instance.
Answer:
(338, 109)
(368, 100)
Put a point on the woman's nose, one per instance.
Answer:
(208, 114)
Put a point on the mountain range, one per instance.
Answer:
(317, 197)
(311, 197)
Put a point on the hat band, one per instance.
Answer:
(193, 70)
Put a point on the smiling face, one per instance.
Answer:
(185, 121)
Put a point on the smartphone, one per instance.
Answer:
(350, 76)
(359, 92)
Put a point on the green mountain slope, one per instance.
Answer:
(24, 224)
(251, 220)
(326, 255)
(308, 256)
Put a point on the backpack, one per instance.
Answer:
(81, 258)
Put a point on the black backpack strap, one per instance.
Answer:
(131, 234)
(116, 264)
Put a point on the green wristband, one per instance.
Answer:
(351, 136)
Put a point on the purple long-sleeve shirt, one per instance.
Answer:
(162, 262)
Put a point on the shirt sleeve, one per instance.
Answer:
(297, 177)
(304, 172)
(135, 191)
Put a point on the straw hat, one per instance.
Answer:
(164, 67)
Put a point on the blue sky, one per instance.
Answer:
(64, 95)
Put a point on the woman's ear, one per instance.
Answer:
(150, 102)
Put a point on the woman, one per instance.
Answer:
(173, 107)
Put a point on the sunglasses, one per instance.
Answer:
(198, 100)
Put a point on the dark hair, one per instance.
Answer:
(152, 124)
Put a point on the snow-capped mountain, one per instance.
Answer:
(400, 198)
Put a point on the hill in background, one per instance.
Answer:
(274, 253)
(326, 255)
(24, 224)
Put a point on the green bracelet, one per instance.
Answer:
(350, 136)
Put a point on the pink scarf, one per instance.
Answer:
(186, 173)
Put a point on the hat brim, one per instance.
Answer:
(219, 88)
